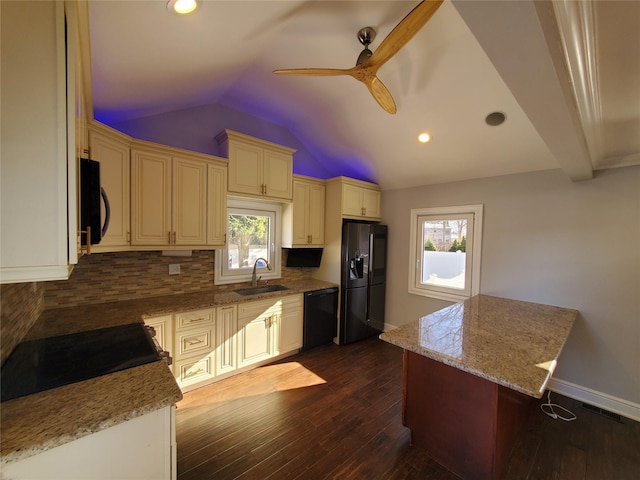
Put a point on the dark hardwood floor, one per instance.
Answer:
(334, 412)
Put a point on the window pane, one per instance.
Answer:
(444, 253)
(249, 240)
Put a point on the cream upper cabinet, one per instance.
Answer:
(216, 204)
(111, 148)
(189, 200)
(303, 219)
(256, 167)
(38, 202)
(150, 197)
(359, 199)
(177, 198)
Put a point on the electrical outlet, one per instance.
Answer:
(174, 269)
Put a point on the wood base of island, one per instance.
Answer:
(466, 423)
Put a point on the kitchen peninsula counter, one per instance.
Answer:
(510, 342)
(35, 423)
(470, 374)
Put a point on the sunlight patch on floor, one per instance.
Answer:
(259, 381)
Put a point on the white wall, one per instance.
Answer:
(551, 241)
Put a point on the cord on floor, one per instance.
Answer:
(549, 409)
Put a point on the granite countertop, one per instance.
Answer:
(510, 342)
(41, 421)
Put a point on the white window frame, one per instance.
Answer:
(222, 274)
(473, 252)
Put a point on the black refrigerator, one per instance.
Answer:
(363, 275)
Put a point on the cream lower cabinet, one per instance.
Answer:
(257, 323)
(226, 339)
(289, 336)
(194, 348)
(210, 344)
(269, 328)
(176, 198)
(163, 327)
(143, 447)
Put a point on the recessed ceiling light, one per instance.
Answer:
(182, 6)
(496, 118)
(424, 137)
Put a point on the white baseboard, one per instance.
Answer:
(597, 399)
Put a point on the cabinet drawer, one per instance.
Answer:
(193, 341)
(293, 301)
(259, 308)
(194, 318)
(189, 372)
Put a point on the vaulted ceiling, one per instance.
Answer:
(565, 74)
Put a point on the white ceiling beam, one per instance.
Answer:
(522, 41)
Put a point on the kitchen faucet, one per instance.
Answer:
(254, 281)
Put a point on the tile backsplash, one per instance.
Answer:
(20, 306)
(109, 277)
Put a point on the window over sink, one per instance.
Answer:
(253, 233)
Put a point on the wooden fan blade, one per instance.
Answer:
(403, 32)
(321, 72)
(381, 94)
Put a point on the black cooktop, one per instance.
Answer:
(42, 364)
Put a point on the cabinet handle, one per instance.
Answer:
(169, 238)
(194, 342)
(265, 188)
(88, 245)
(193, 320)
(174, 238)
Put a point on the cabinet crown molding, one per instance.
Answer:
(352, 181)
(226, 135)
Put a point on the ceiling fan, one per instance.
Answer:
(368, 63)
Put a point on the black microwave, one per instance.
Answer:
(91, 194)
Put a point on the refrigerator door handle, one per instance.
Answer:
(371, 257)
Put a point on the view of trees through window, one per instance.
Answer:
(249, 239)
(444, 259)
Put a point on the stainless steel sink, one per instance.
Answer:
(259, 290)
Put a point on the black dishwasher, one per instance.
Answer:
(320, 317)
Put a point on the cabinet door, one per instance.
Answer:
(189, 202)
(245, 169)
(278, 174)
(163, 327)
(150, 198)
(113, 155)
(38, 193)
(254, 339)
(300, 213)
(316, 214)
(352, 200)
(216, 205)
(227, 326)
(290, 326)
(371, 203)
